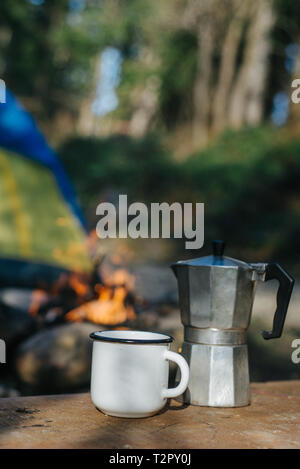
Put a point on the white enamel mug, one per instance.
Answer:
(130, 372)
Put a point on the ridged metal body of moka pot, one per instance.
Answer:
(216, 297)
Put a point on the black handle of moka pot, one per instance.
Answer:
(286, 283)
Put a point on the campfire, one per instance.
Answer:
(105, 298)
(47, 318)
(113, 306)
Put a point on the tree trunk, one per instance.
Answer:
(227, 67)
(202, 85)
(246, 103)
(141, 119)
(87, 121)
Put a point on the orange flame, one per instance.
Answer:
(38, 297)
(110, 307)
(78, 286)
(119, 277)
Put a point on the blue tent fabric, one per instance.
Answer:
(20, 134)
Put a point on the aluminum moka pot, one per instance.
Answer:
(216, 296)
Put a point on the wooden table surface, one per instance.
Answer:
(71, 421)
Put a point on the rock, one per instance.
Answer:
(56, 359)
(146, 321)
(7, 391)
(17, 298)
(15, 324)
(155, 283)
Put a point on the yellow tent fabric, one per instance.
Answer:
(36, 223)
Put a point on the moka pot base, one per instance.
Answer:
(220, 375)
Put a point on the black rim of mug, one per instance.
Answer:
(97, 336)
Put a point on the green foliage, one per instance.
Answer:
(177, 76)
(248, 180)
(45, 56)
(140, 168)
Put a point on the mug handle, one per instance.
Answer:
(185, 373)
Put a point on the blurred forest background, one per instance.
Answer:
(174, 100)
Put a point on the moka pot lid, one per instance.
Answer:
(217, 259)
